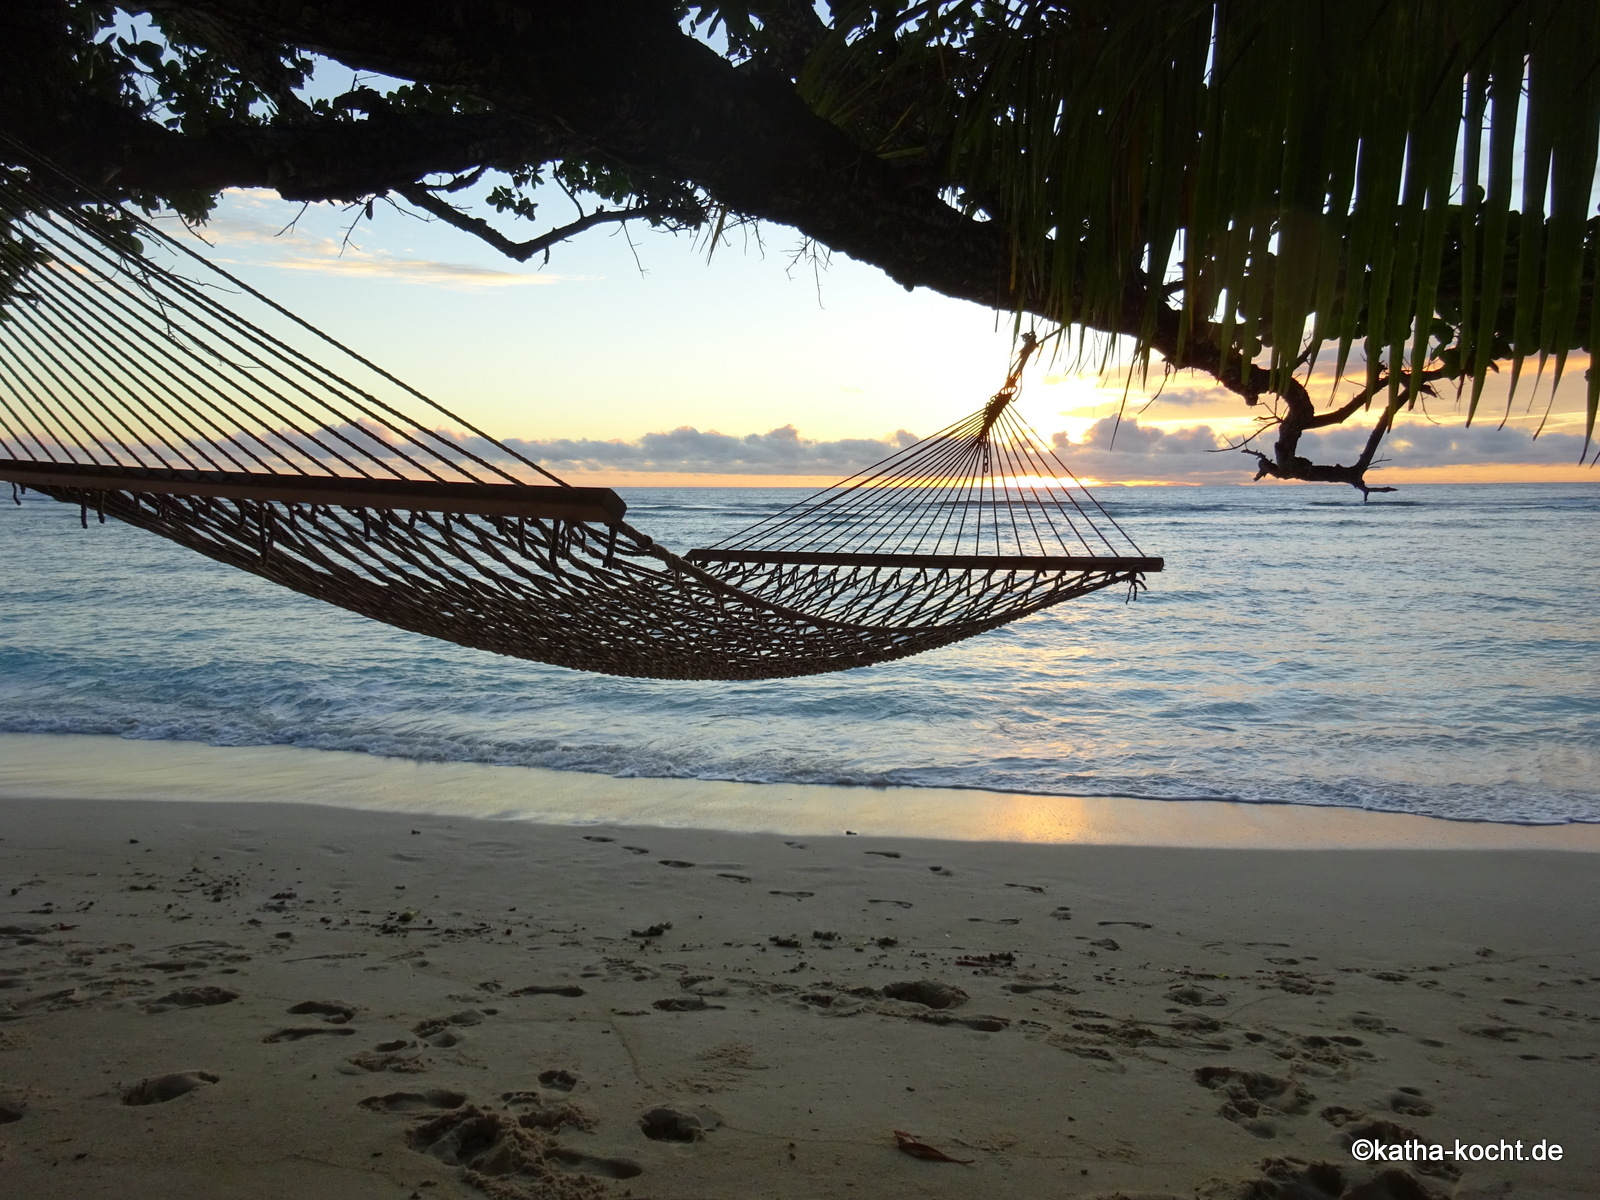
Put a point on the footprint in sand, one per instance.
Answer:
(997, 920)
(896, 903)
(589, 1164)
(438, 1031)
(636, 849)
(595, 837)
(981, 1024)
(299, 1033)
(1253, 1098)
(1062, 914)
(675, 862)
(496, 1145)
(1371, 1023)
(163, 1088)
(686, 1004)
(735, 878)
(1297, 983)
(1028, 887)
(928, 992)
(1135, 924)
(558, 1080)
(552, 1115)
(1408, 1102)
(884, 853)
(794, 895)
(703, 985)
(941, 870)
(672, 1125)
(172, 966)
(1339, 1116)
(11, 1110)
(409, 1102)
(385, 1058)
(1086, 1048)
(1501, 1032)
(1023, 989)
(570, 990)
(331, 1011)
(1195, 996)
(192, 997)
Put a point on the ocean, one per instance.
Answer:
(1432, 652)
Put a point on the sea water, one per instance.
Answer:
(1434, 652)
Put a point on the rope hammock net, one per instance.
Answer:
(139, 381)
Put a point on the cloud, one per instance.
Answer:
(1197, 454)
(780, 451)
(1107, 452)
(414, 270)
(286, 248)
(1419, 445)
(1192, 395)
(336, 446)
(1131, 451)
(1132, 438)
(1113, 452)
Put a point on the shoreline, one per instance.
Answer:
(248, 1000)
(84, 767)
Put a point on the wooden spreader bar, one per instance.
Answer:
(480, 499)
(978, 562)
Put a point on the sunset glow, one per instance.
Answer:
(664, 370)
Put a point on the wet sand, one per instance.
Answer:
(255, 999)
(44, 767)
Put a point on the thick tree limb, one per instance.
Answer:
(617, 80)
(324, 159)
(620, 77)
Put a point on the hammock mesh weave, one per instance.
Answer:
(141, 383)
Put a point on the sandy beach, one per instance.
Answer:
(256, 999)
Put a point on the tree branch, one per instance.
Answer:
(1286, 464)
(424, 199)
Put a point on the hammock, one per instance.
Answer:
(129, 388)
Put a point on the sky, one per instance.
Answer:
(637, 357)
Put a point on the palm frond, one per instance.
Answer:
(1413, 177)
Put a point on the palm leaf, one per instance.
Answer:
(1303, 158)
